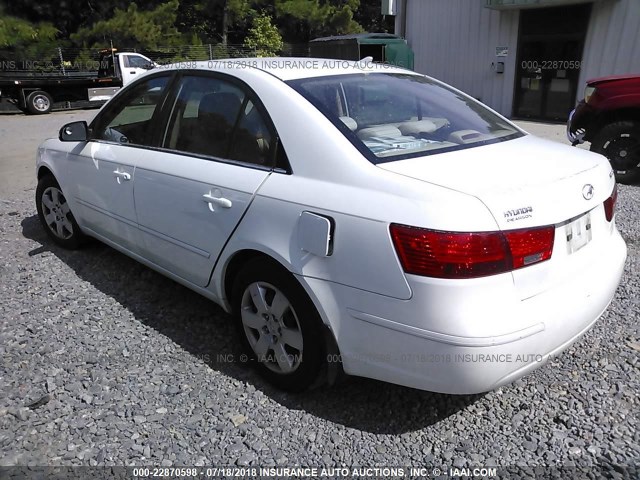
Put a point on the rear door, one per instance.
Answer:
(217, 149)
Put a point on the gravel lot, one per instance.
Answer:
(104, 361)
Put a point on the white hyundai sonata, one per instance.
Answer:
(346, 212)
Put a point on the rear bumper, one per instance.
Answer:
(469, 340)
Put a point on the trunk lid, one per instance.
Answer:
(529, 182)
(524, 182)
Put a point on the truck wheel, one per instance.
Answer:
(39, 102)
(620, 143)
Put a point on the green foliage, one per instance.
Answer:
(264, 37)
(341, 22)
(35, 28)
(308, 19)
(68, 15)
(206, 17)
(370, 17)
(15, 32)
(134, 28)
(239, 10)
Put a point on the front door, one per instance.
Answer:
(191, 195)
(102, 170)
(134, 65)
(550, 48)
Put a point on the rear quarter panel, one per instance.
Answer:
(330, 177)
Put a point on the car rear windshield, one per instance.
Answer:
(396, 116)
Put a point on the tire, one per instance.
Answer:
(279, 327)
(55, 215)
(620, 143)
(39, 102)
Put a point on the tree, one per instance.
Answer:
(21, 39)
(216, 20)
(68, 15)
(132, 27)
(304, 20)
(370, 17)
(264, 37)
(15, 32)
(88, 23)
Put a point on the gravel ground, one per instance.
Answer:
(104, 362)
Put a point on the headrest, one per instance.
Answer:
(223, 104)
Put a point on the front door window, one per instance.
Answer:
(128, 120)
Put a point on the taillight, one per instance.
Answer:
(610, 204)
(434, 253)
(530, 245)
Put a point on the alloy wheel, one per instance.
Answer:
(56, 213)
(272, 327)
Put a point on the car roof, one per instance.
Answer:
(292, 68)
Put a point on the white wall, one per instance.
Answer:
(455, 41)
(612, 45)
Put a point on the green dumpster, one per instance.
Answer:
(382, 47)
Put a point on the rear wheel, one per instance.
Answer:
(39, 102)
(279, 326)
(55, 215)
(620, 143)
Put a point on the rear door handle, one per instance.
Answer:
(122, 176)
(219, 201)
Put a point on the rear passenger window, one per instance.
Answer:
(203, 117)
(252, 139)
(215, 118)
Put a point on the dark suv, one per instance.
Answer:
(609, 118)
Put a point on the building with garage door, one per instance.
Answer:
(524, 58)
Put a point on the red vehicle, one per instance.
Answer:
(609, 118)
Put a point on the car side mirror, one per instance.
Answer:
(74, 132)
(148, 66)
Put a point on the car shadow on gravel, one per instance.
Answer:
(205, 331)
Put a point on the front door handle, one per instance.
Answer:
(219, 201)
(122, 176)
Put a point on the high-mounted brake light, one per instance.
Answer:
(435, 253)
(610, 204)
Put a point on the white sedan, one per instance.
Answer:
(347, 214)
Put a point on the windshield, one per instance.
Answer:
(397, 116)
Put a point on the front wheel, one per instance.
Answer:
(620, 143)
(279, 326)
(55, 215)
